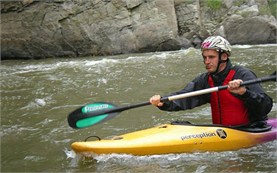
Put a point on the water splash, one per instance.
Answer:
(38, 102)
(69, 153)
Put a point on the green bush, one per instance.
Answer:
(214, 4)
(273, 7)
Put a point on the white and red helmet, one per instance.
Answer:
(218, 43)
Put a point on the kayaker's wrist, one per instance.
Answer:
(164, 106)
(242, 91)
(246, 94)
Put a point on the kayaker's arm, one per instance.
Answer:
(258, 103)
(190, 102)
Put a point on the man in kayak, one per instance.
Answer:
(236, 106)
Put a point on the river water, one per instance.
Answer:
(37, 95)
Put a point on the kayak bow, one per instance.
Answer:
(179, 138)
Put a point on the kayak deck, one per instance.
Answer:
(170, 138)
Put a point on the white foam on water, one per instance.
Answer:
(16, 129)
(34, 158)
(74, 158)
(20, 69)
(242, 46)
(168, 162)
(103, 61)
(37, 103)
(127, 159)
(44, 122)
(40, 102)
(255, 45)
(69, 153)
(164, 55)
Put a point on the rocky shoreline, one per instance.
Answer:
(76, 28)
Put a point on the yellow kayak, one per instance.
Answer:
(179, 138)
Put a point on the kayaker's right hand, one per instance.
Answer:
(156, 101)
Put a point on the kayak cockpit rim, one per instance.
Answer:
(258, 129)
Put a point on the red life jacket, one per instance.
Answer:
(226, 108)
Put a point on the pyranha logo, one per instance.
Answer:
(221, 133)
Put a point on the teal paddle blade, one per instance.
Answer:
(83, 117)
(83, 123)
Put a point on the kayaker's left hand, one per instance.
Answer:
(234, 87)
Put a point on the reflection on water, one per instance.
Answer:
(37, 95)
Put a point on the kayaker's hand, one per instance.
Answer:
(234, 87)
(156, 101)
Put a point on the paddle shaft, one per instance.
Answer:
(181, 96)
(214, 89)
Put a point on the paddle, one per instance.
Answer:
(98, 112)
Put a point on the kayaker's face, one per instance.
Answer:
(210, 59)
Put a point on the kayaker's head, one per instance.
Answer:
(215, 51)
